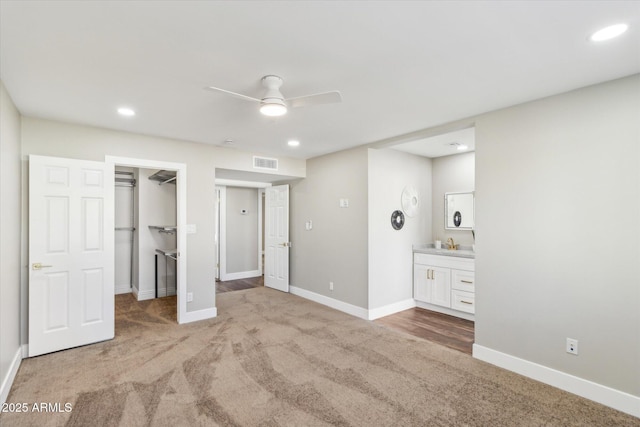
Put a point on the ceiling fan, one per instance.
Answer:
(273, 103)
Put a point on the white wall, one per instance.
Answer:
(336, 249)
(51, 138)
(390, 251)
(10, 205)
(242, 230)
(451, 174)
(558, 232)
(157, 206)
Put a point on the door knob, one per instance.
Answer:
(38, 266)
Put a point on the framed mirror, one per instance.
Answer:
(459, 211)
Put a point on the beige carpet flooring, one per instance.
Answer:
(274, 359)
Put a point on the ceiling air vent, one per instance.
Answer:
(265, 163)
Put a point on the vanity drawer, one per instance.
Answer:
(463, 301)
(463, 280)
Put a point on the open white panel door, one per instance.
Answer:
(276, 236)
(71, 267)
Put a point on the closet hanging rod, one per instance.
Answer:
(126, 228)
(123, 173)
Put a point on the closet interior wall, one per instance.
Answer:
(125, 229)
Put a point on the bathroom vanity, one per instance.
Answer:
(444, 280)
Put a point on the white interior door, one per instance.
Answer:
(71, 264)
(276, 257)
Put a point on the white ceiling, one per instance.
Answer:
(400, 66)
(457, 142)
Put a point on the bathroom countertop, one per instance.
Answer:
(462, 252)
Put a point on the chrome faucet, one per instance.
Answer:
(450, 244)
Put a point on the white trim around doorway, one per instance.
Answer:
(181, 210)
(222, 242)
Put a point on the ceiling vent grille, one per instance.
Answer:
(265, 163)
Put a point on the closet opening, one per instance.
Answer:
(145, 219)
(125, 230)
(150, 230)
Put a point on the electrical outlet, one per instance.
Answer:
(572, 346)
(189, 296)
(330, 286)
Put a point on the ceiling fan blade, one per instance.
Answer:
(237, 95)
(315, 99)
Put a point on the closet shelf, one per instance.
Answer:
(169, 253)
(168, 229)
(164, 177)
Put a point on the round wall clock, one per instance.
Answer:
(397, 220)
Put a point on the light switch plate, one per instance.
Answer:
(191, 228)
(344, 203)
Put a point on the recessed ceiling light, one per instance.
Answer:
(609, 32)
(458, 145)
(293, 143)
(128, 112)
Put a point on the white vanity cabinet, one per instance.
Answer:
(432, 284)
(462, 290)
(444, 281)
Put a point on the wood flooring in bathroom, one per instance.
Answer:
(443, 329)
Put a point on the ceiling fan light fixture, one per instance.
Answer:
(273, 107)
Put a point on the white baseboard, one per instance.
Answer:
(144, 295)
(194, 316)
(123, 289)
(240, 275)
(613, 398)
(7, 381)
(387, 310)
(25, 351)
(351, 309)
